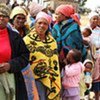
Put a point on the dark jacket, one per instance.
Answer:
(19, 60)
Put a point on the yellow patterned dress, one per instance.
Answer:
(44, 62)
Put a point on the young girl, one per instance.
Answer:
(71, 78)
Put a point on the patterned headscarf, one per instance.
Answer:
(68, 11)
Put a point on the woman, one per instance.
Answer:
(44, 58)
(18, 18)
(95, 45)
(14, 57)
(66, 31)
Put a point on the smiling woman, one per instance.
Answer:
(44, 58)
(18, 19)
(13, 58)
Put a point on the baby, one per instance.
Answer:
(86, 41)
(86, 79)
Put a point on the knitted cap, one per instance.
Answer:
(4, 10)
(18, 10)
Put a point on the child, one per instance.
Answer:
(88, 75)
(86, 32)
(71, 77)
(86, 79)
(86, 41)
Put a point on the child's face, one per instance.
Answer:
(85, 33)
(88, 67)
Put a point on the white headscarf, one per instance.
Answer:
(92, 14)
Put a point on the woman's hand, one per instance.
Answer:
(4, 67)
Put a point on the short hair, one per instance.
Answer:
(77, 55)
(89, 30)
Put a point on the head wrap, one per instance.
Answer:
(4, 10)
(88, 61)
(35, 8)
(68, 11)
(92, 14)
(18, 10)
(45, 16)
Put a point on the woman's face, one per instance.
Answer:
(3, 21)
(41, 26)
(19, 21)
(59, 17)
(94, 21)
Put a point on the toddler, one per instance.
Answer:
(71, 77)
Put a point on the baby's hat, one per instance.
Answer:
(88, 61)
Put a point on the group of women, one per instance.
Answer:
(44, 50)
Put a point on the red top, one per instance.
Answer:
(5, 48)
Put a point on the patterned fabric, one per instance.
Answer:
(30, 83)
(44, 61)
(68, 36)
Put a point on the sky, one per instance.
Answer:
(92, 4)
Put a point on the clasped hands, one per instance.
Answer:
(4, 67)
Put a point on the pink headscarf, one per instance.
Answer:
(68, 11)
(45, 16)
(35, 8)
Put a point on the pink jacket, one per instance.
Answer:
(72, 75)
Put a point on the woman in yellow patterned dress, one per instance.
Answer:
(44, 58)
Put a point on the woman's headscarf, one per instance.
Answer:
(92, 14)
(45, 16)
(35, 8)
(68, 11)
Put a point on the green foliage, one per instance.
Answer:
(82, 2)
